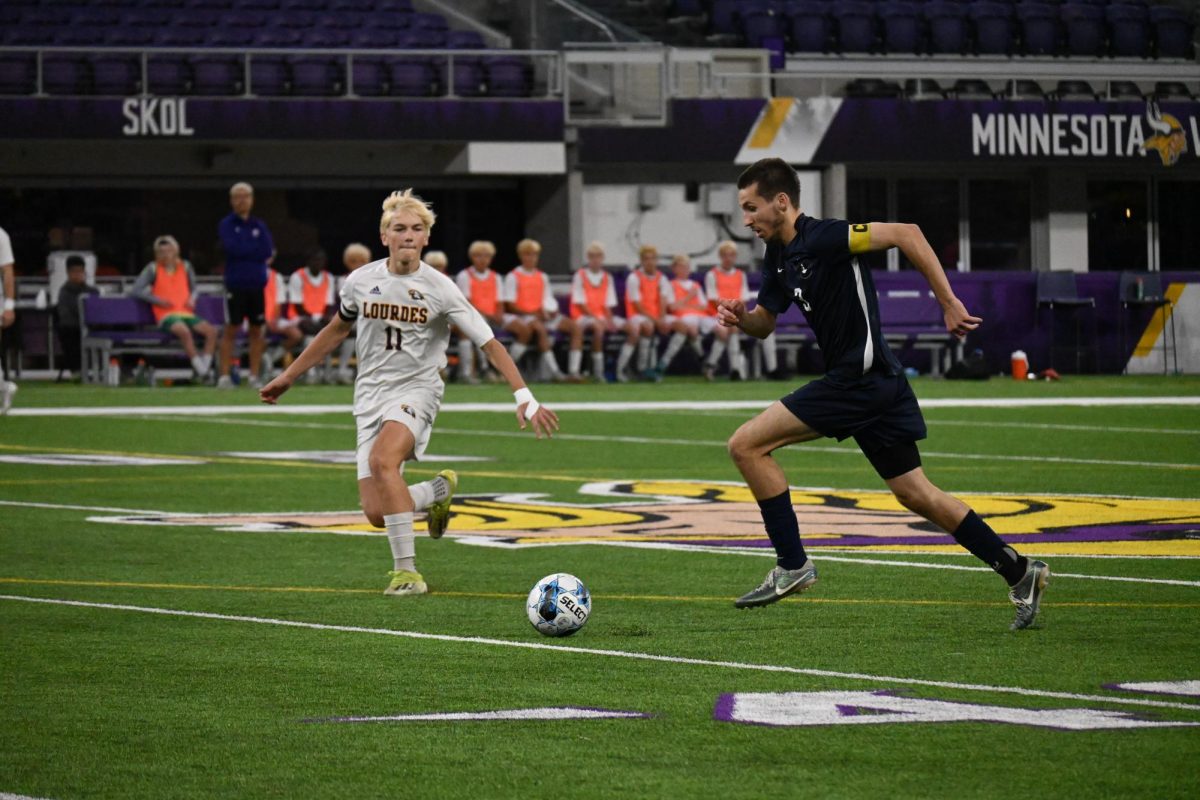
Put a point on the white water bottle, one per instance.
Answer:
(113, 377)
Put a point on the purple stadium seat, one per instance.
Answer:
(811, 25)
(375, 39)
(18, 73)
(428, 22)
(214, 5)
(172, 4)
(361, 6)
(1039, 28)
(470, 80)
(145, 17)
(325, 37)
(316, 76)
(10, 16)
(372, 78)
(294, 19)
(65, 74)
(1084, 29)
(181, 36)
(95, 18)
(465, 40)
(259, 5)
(131, 36)
(420, 40)
(856, 26)
(278, 37)
(392, 6)
(509, 77)
(168, 75)
(413, 77)
(47, 15)
(218, 75)
(269, 76)
(947, 20)
(345, 20)
(304, 5)
(1129, 30)
(115, 74)
(993, 27)
(761, 24)
(75, 36)
(231, 36)
(901, 23)
(195, 18)
(1172, 32)
(249, 20)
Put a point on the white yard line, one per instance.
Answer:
(627, 654)
(648, 405)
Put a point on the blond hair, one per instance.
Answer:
(595, 247)
(166, 238)
(481, 246)
(681, 258)
(437, 259)
(356, 249)
(241, 186)
(406, 201)
(528, 246)
(726, 245)
(646, 249)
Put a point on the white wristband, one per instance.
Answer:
(10, 304)
(523, 396)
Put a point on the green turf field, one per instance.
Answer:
(223, 611)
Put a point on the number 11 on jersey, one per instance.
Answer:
(390, 345)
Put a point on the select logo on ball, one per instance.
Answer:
(558, 605)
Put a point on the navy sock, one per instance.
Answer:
(978, 537)
(779, 518)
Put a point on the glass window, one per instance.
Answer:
(933, 205)
(1117, 229)
(1178, 232)
(998, 213)
(866, 201)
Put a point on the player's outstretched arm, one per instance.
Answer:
(759, 323)
(913, 244)
(542, 419)
(322, 345)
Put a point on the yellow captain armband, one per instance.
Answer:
(860, 238)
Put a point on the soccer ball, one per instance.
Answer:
(559, 605)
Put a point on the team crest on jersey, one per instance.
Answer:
(687, 515)
(407, 409)
(415, 295)
(375, 290)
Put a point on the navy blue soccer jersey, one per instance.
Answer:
(819, 272)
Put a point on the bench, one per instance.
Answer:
(913, 318)
(112, 327)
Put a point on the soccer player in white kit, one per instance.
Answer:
(404, 309)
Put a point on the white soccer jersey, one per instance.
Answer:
(6, 251)
(403, 330)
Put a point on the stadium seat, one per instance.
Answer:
(317, 76)
(900, 21)
(1040, 28)
(1129, 30)
(470, 79)
(1124, 90)
(724, 16)
(232, 36)
(325, 37)
(180, 36)
(145, 18)
(115, 74)
(168, 75)
(396, 21)
(872, 87)
(856, 26)
(26, 35)
(811, 27)
(269, 76)
(245, 20)
(993, 27)
(393, 6)
(1058, 290)
(196, 18)
(303, 5)
(509, 77)
(131, 36)
(1024, 89)
(372, 78)
(923, 89)
(375, 39)
(209, 5)
(95, 18)
(428, 22)
(762, 24)
(360, 6)
(260, 5)
(1171, 90)
(217, 75)
(73, 36)
(1172, 32)
(465, 40)
(346, 20)
(972, 89)
(413, 77)
(1084, 29)
(65, 74)
(1075, 90)
(18, 73)
(278, 37)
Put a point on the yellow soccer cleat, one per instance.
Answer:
(439, 512)
(405, 582)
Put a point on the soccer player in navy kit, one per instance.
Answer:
(864, 393)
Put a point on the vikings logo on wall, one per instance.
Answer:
(1169, 140)
(700, 515)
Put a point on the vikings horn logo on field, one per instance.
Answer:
(690, 515)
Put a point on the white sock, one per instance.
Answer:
(198, 364)
(624, 356)
(401, 540)
(643, 354)
(427, 493)
(598, 365)
(677, 340)
(550, 363)
(574, 360)
(466, 358)
(718, 350)
(770, 355)
(735, 353)
(516, 350)
(696, 348)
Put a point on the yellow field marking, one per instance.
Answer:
(623, 597)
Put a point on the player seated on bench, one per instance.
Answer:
(593, 298)
(168, 284)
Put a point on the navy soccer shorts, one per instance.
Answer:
(879, 411)
(244, 304)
